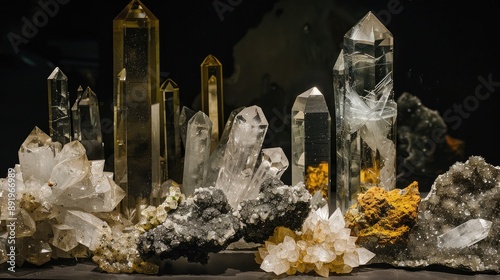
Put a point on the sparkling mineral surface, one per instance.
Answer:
(201, 224)
(468, 191)
(276, 205)
(324, 245)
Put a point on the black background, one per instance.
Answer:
(441, 52)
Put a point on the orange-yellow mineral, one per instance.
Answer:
(381, 220)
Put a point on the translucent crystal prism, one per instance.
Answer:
(241, 153)
(185, 116)
(273, 164)
(89, 229)
(37, 156)
(311, 143)
(136, 49)
(366, 110)
(64, 237)
(216, 158)
(76, 115)
(198, 144)
(465, 235)
(172, 133)
(59, 108)
(89, 121)
(212, 98)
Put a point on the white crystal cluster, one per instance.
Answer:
(59, 194)
(323, 245)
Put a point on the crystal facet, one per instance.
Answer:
(197, 152)
(311, 142)
(136, 49)
(89, 121)
(172, 133)
(76, 115)
(212, 100)
(465, 234)
(241, 153)
(59, 108)
(366, 111)
(273, 164)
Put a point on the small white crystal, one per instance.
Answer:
(466, 234)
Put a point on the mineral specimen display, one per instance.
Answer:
(212, 95)
(369, 111)
(59, 108)
(458, 223)
(89, 122)
(172, 132)
(311, 144)
(324, 245)
(136, 49)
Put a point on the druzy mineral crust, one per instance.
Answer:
(201, 224)
(277, 205)
(467, 196)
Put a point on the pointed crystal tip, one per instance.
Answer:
(57, 74)
(210, 60)
(168, 85)
(369, 29)
(122, 76)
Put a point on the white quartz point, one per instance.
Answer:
(89, 229)
(198, 134)
(466, 234)
(273, 164)
(37, 156)
(241, 153)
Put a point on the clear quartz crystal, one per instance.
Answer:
(465, 235)
(172, 134)
(76, 115)
(311, 142)
(273, 164)
(89, 121)
(59, 108)
(212, 97)
(217, 156)
(241, 153)
(366, 111)
(185, 116)
(197, 152)
(136, 49)
(37, 156)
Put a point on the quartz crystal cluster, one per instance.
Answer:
(458, 223)
(59, 194)
(323, 245)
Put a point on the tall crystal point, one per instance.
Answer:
(59, 108)
(172, 132)
(241, 154)
(367, 111)
(136, 49)
(311, 126)
(212, 101)
(197, 152)
(90, 125)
